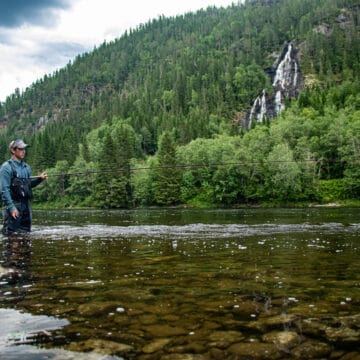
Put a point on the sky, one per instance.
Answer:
(38, 37)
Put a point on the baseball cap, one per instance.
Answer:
(18, 143)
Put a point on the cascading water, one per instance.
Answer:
(279, 105)
(286, 81)
(258, 110)
(262, 106)
(284, 73)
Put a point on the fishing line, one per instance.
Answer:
(195, 166)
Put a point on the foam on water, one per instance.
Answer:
(191, 231)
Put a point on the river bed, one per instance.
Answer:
(183, 284)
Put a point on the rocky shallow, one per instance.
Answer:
(243, 331)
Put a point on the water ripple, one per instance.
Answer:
(190, 231)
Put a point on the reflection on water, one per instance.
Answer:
(22, 329)
(175, 284)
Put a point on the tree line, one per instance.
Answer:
(306, 155)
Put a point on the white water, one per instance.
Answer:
(262, 107)
(279, 106)
(191, 231)
(253, 111)
(260, 102)
(286, 78)
(283, 72)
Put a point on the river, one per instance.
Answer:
(183, 284)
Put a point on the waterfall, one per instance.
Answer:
(253, 111)
(284, 71)
(286, 81)
(279, 105)
(296, 74)
(258, 110)
(262, 107)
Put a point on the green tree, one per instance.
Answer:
(249, 81)
(167, 176)
(55, 187)
(351, 155)
(283, 181)
(113, 183)
(82, 182)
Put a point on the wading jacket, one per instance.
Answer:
(15, 183)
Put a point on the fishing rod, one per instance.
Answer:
(190, 166)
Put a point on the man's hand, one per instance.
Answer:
(43, 176)
(15, 213)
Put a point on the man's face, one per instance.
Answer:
(19, 153)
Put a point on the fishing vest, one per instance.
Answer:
(20, 188)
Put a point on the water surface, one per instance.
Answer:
(176, 284)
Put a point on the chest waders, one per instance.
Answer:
(20, 188)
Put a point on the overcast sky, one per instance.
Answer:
(39, 36)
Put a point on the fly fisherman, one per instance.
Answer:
(16, 183)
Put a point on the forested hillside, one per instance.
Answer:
(155, 117)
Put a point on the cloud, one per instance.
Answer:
(15, 13)
(38, 37)
(30, 52)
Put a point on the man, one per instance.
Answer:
(16, 183)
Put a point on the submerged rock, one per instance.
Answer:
(343, 335)
(155, 345)
(283, 340)
(164, 330)
(350, 321)
(184, 357)
(312, 350)
(273, 322)
(99, 346)
(334, 330)
(223, 339)
(255, 351)
(351, 356)
(192, 347)
(97, 308)
(312, 327)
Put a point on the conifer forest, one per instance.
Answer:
(198, 110)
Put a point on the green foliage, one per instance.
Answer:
(249, 82)
(284, 175)
(81, 182)
(205, 179)
(143, 183)
(54, 188)
(330, 190)
(113, 183)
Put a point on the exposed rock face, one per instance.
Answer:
(286, 81)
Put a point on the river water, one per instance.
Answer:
(183, 284)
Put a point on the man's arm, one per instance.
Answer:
(36, 180)
(5, 182)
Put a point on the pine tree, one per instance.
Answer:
(113, 183)
(168, 177)
(102, 188)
